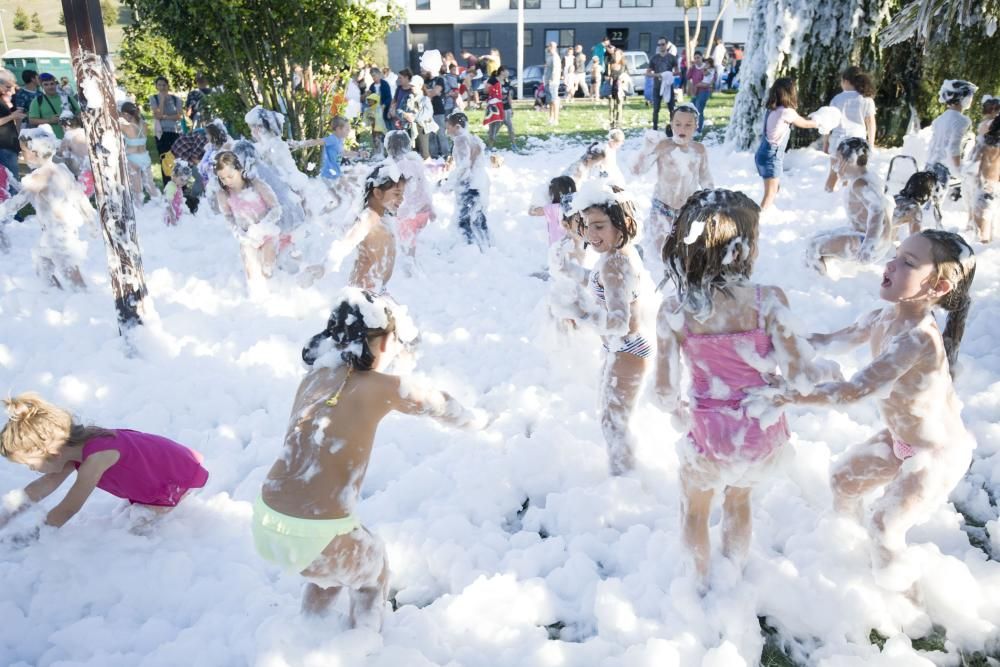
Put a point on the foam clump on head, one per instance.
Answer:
(270, 121)
(41, 140)
(957, 91)
(384, 172)
(596, 192)
(397, 143)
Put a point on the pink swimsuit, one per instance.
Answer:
(151, 470)
(720, 427)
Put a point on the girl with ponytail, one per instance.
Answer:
(304, 519)
(924, 449)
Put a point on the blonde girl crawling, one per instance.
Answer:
(733, 335)
(924, 449)
(304, 519)
(614, 312)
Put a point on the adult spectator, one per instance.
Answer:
(381, 86)
(550, 78)
(581, 73)
(601, 51)
(10, 117)
(399, 101)
(662, 66)
(439, 138)
(719, 58)
(29, 91)
(167, 110)
(49, 107)
(569, 73)
(195, 100)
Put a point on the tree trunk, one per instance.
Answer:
(715, 26)
(96, 81)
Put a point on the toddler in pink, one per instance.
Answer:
(560, 187)
(142, 468)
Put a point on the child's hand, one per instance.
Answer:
(765, 403)
(479, 419)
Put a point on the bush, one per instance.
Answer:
(109, 12)
(21, 20)
(36, 23)
(144, 56)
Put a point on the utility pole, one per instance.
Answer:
(96, 85)
(520, 49)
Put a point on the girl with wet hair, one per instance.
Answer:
(616, 313)
(140, 165)
(869, 236)
(417, 207)
(857, 114)
(305, 517)
(913, 199)
(370, 234)
(779, 118)
(924, 449)
(145, 469)
(253, 212)
(733, 336)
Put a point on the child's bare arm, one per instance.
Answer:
(414, 398)
(795, 356)
(14, 204)
(847, 338)
(704, 175)
(87, 477)
(613, 320)
(305, 143)
(668, 355)
(18, 501)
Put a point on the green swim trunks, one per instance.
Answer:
(291, 542)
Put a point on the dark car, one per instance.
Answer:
(532, 79)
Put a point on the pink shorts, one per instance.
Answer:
(724, 431)
(902, 450)
(409, 227)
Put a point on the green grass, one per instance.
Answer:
(53, 36)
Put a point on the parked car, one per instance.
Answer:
(636, 63)
(532, 79)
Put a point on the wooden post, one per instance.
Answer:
(96, 84)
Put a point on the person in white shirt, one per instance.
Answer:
(949, 128)
(857, 115)
(719, 59)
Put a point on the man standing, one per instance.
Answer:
(26, 94)
(719, 58)
(48, 108)
(194, 101)
(601, 50)
(581, 72)
(569, 73)
(662, 67)
(551, 76)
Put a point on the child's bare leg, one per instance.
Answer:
(831, 179)
(902, 506)
(737, 524)
(622, 381)
(861, 469)
(984, 226)
(827, 246)
(696, 505)
(771, 186)
(148, 184)
(356, 561)
(317, 600)
(267, 256)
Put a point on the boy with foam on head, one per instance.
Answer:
(468, 180)
(949, 128)
(869, 236)
(681, 170)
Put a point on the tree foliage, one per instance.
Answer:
(251, 48)
(36, 23)
(145, 55)
(21, 20)
(109, 12)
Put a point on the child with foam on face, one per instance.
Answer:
(417, 208)
(733, 335)
(869, 236)
(924, 449)
(253, 212)
(266, 129)
(370, 233)
(175, 194)
(61, 209)
(681, 170)
(305, 517)
(616, 314)
(145, 469)
(468, 180)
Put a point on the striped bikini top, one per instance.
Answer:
(598, 288)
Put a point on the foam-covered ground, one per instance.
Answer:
(590, 572)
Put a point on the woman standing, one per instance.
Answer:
(703, 88)
(618, 75)
(167, 110)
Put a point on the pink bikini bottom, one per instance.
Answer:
(902, 450)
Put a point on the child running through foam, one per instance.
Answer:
(869, 236)
(732, 335)
(417, 208)
(304, 519)
(779, 117)
(986, 202)
(970, 170)
(610, 227)
(469, 180)
(681, 170)
(374, 239)
(924, 449)
(142, 468)
(559, 188)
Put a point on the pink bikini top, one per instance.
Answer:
(251, 207)
(721, 357)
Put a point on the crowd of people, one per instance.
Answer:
(732, 334)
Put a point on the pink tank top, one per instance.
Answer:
(553, 218)
(719, 377)
(151, 470)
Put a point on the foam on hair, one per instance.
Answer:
(957, 91)
(41, 140)
(397, 143)
(854, 150)
(270, 121)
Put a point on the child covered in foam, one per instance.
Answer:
(305, 517)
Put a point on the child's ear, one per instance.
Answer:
(943, 287)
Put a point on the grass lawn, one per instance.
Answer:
(53, 35)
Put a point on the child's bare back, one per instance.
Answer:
(376, 257)
(682, 170)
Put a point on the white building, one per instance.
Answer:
(480, 25)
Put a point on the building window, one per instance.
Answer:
(567, 4)
(595, 4)
(475, 4)
(475, 39)
(678, 35)
(562, 38)
(528, 4)
(423, 4)
(645, 41)
(529, 37)
(642, 3)
(704, 3)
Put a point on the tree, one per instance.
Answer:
(21, 20)
(691, 41)
(36, 23)
(252, 48)
(145, 55)
(109, 12)
(62, 18)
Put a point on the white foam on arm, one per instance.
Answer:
(613, 319)
(705, 181)
(668, 357)
(848, 338)
(419, 398)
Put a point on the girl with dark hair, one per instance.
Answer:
(374, 239)
(857, 114)
(732, 334)
(779, 118)
(911, 200)
(560, 188)
(610, 228)
(304, 519)
(147, 470)
(925, 449)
